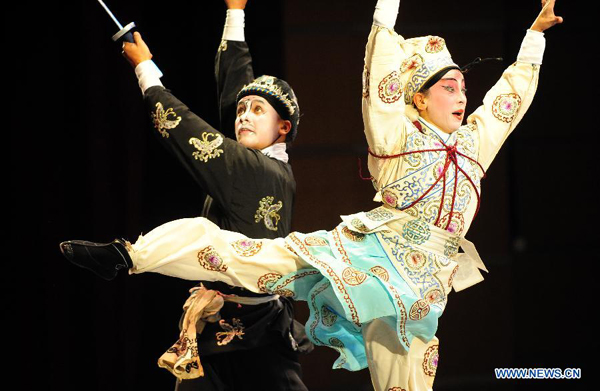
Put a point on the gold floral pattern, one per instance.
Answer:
(164, 119)
(267, 212)
(236, 329)
(207, 148)
(211, 260)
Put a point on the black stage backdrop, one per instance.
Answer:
(85, 164)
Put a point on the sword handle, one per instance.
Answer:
(125, 34)
(128, 37)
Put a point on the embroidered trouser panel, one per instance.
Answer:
(394, 368)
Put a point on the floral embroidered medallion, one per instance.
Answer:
(246, 247)
(456, 224)
(415, 260)
(353, 236)
(231, 331)
(164, 120)
(356, 223)
(352, 276)
(419, 310)
(328, 317)
(416, 231)
(413, 62)
(430, 360)
(380, 272)
(207, 149)
(267, 212)
(390, 88)
(435, 45)
(365, 82)
(379, 214)
(505, 107)
(315, 241)
(389, 198)
(210, 260)
(434, 296)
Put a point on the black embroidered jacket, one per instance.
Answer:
(248, 192)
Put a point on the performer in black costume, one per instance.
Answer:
(251, 190)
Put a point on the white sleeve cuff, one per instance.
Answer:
(234, 25)
(148, 75)
(532, 48)
(386, 12)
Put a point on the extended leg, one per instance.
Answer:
(196, 249)
(391, 366)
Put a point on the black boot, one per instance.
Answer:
(104, 259)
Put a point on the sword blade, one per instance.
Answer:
(110, 14)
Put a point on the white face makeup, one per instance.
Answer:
(257, 124)
(444, 105)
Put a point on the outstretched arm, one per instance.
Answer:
(207, 155)
(233, 65)
(506, 103)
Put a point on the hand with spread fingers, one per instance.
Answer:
(546, 18)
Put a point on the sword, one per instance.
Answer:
(124, 32)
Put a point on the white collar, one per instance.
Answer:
(442, 135)
(276, 151)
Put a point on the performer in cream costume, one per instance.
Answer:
(378, 282)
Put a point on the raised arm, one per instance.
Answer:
(505, 104)
(210, 157)
(382, 103)
(233, 65)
